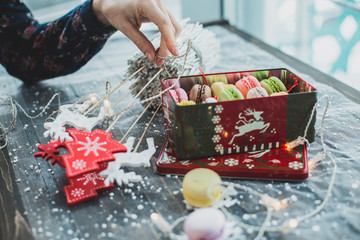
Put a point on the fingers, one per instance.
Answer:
(161, 19)
(140, 40)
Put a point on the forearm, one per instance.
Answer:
(32, 51)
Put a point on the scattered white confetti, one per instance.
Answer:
(140, 207)
(316, 228)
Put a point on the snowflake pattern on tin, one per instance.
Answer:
(216, 119)
(92, 146)
(298, 155)
(219, 128)
(231, 162)
(79, 164)
(219, 109)
(219, 148)
(77, 192)
(296, 165)
(168, 159)
(216, 138)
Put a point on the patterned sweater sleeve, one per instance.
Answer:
(31, 51)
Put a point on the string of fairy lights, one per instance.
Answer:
(271, 204)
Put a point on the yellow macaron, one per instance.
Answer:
(195, 185)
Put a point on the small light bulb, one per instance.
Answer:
(293, 223)
(160, 222)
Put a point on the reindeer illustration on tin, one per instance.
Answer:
(256, 122)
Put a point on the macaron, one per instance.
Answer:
(205, 224)
(257, 92)
(261, 75)
(279, 94)
(216, 78)
(210, 100)
(186, 103)
(247, 83)
(273, 85)
(217, 87)
(232, 78)
(231, 93)
(199, 93)
(178, 94)
(188, 82)
(195, 186)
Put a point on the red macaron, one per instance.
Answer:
(247, 83)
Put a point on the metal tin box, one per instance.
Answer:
(238, 126)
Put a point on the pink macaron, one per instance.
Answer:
(178, 94)
(247, 83)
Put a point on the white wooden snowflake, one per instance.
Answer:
(114, 173)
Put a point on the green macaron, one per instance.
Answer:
(260, 75)
(231, 93)
(273, 85)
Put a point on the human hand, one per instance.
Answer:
(128, 15)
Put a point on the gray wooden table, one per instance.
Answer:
(33, 205)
